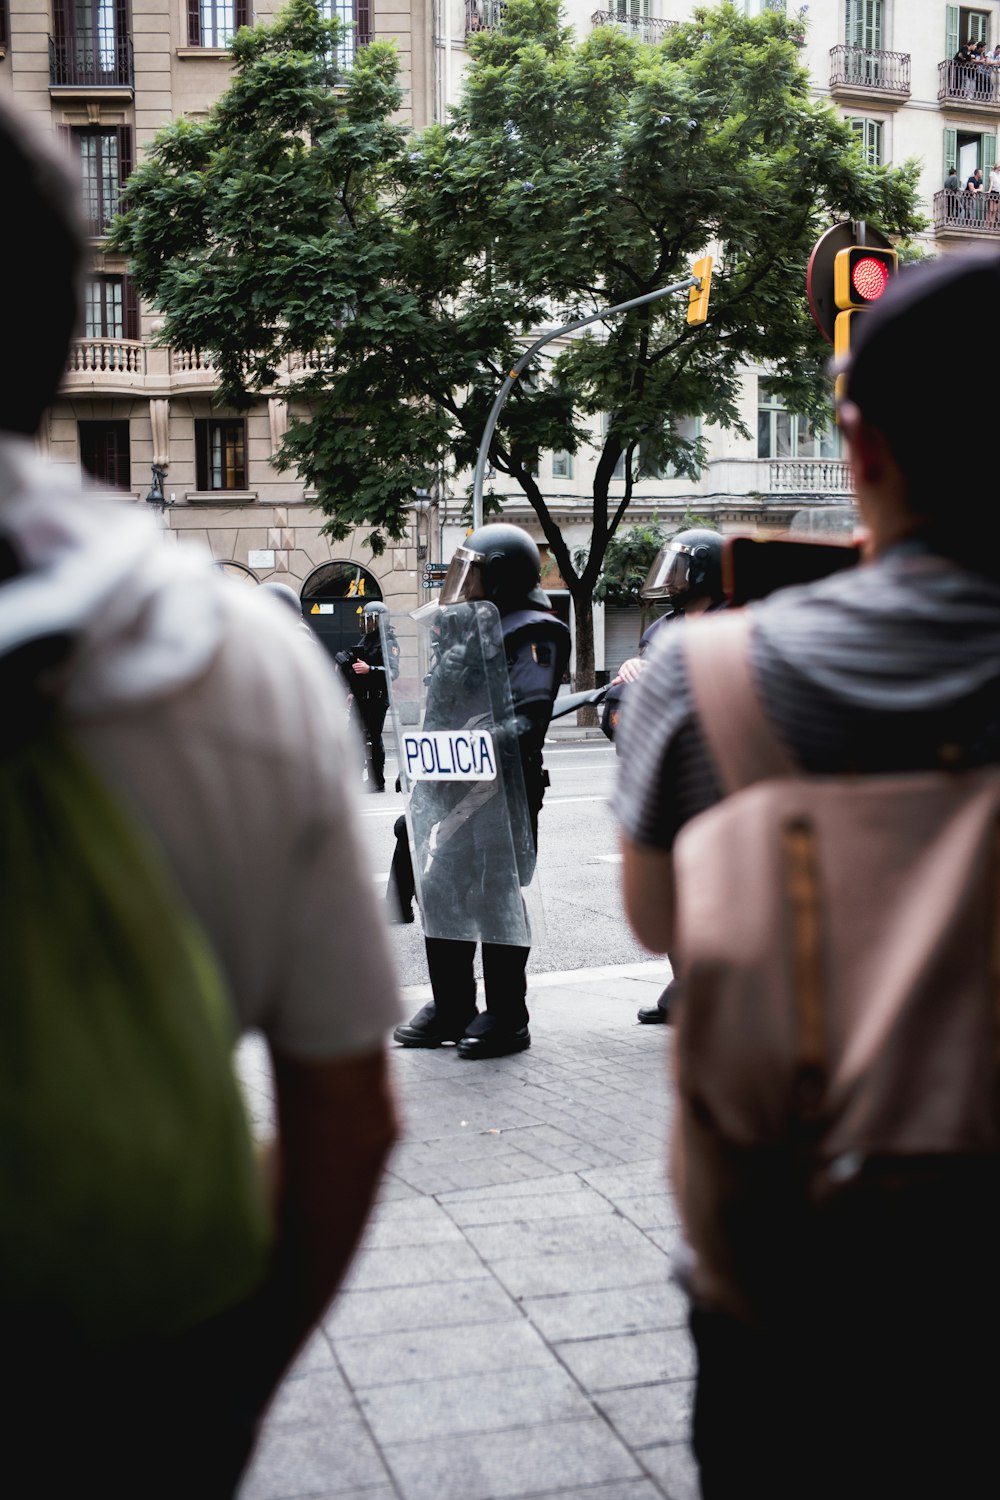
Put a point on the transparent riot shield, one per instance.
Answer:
(467, 810)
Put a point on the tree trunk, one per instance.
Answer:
(586, 718)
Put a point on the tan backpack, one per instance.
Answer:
(837, 1133)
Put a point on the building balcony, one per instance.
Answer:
(965, 216)
(105, 364)
(104, 64)
(969, 88)
(868, 74)
(643, 28)
(763, 478)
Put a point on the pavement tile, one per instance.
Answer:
(543, 1275)
(650, 1210)
(317, 1355)
(630, 1359)
(404, 1265)
(504, 1465)
(311, 1461)
(384, 1234)
(579, 1315)
(508, 1208)
(650, 1414)
(492, 1401)
(565, 1182)
(623, 1489)
(674, 1468)
(311, 1397)
(445, 1304)
(556, 1236)
(668, 1238)
(429, 1353)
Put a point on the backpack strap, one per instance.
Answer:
(742, 743)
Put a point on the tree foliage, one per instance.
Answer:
(299, 218)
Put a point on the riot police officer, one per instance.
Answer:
(500, 563)
(364, 672)
(687, 575)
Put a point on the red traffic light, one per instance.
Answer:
(869, 277)
(861, 275)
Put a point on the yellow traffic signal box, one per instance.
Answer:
(698, 296)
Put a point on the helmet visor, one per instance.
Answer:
(369, 624)
(670, 575)
(464, 578)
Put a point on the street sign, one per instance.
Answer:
(820, 278)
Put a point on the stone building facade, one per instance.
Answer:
(109, 73)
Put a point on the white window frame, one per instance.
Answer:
(799, 441)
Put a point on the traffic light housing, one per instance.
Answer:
(698, 296)
(861, 275)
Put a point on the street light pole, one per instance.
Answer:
(505, 389)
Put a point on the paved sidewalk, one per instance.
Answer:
(509, 1328)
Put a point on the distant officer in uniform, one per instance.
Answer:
(500, 563)
(687, 574)
(364, 671)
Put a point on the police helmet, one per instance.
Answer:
(370, 616)
(497, 562)
(688, 567)
(285, 593)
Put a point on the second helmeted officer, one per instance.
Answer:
(365, 673)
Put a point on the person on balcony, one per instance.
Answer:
(993, 196)
(952, 184)
(975, 193)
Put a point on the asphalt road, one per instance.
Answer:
(578, 868)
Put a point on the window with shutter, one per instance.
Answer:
(869, 133)
(104, 452)
(950, 137)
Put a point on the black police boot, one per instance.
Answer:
(660, 1014)
(428, 1029)
(489, 1037)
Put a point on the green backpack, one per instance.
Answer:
(131, 1205)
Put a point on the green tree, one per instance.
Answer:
(299, 217)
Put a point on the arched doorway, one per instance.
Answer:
(333, 597)
(238, 571)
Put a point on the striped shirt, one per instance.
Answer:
(878, 669)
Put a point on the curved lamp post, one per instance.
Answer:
(505, 389)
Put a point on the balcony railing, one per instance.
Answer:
(869, 68)
(975, 212)
(110, 356)
(101, 63)
(969, 83)
(483, 15)
(811, 476)
(644, 28)
(186, 361)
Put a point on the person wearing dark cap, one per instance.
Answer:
(892, 666)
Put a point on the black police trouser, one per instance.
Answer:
(401, 883)
(373, 712)
(450, 965)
